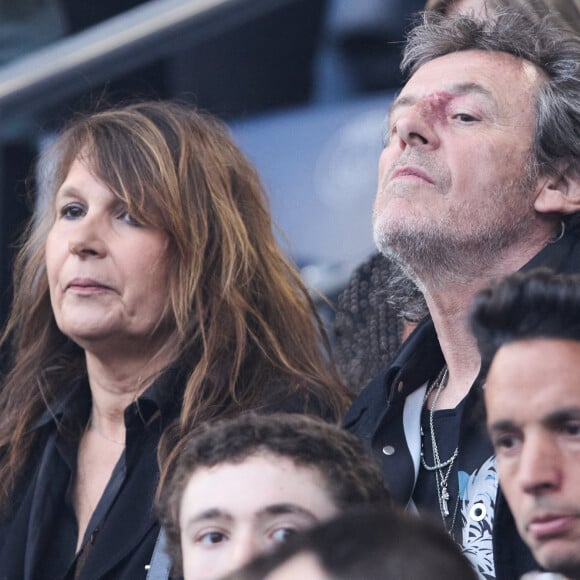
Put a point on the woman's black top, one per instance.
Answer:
(38, 542)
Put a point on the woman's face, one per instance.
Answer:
(107, 274)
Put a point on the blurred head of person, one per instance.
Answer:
(239, 487)
(364, 543)
(528, 330)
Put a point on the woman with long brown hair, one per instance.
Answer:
(150, 295)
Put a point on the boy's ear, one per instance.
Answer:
(559, 193)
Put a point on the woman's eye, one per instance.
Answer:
(211, 538)
(72, 211)
(127, 218)
(282, 534)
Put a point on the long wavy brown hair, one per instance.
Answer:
(244, 323)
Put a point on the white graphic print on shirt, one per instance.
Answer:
(478, 492)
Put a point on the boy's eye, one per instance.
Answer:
(282, 534)
(211, 538)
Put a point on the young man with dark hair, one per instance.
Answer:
(238, 487)
(528, 331)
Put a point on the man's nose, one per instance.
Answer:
(415, 127)
(540, 466)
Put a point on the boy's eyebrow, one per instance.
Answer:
(457, 89)
(269, 510)
(285, 508)
(209, 514)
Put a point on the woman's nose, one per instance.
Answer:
(88, 239)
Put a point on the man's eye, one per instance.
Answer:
(281, 535)
(572, 429)
(72, 211)
(505, 443)
(211, 538)
(465, 117)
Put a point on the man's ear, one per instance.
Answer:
(559, 193)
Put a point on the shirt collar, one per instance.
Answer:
(164, 395)
(418, 360)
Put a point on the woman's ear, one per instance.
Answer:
(559, 194)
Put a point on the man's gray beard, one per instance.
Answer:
(432, 254)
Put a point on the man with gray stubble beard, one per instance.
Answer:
(479, 178)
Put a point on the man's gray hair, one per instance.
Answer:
(545, 43)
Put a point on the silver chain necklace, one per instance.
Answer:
(92, 427)
(441, 476)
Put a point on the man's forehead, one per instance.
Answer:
(535, 367)
(488, 73)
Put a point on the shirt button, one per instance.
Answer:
(477, 512)
(388, 450)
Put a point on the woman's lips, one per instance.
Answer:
(87, 286)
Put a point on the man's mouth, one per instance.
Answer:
(411, 172)
(550, 525)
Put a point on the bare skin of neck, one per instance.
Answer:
(448, 305)
(115, 382)
(458, 345)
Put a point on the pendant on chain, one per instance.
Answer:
(444, 500)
